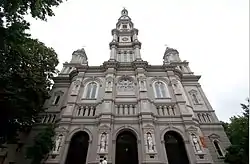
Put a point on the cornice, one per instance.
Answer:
(110, 64)
(191, 78)
(178, 73)
(140, 64)
(60, 79)
(113, 44)
(82, 68)
(136, 43)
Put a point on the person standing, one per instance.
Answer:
(104, 161)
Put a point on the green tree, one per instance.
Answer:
(238, 133)
(43, 144)
(27, 65)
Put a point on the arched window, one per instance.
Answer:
(161, 90)
(131, 57)
(119, 56)
(56, 98)
(91, 90)
(125, 57)
(218, 148)
(196, 101)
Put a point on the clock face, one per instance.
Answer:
(125, 39)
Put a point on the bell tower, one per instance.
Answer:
(125, 46)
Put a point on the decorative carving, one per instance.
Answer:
(109, 85)
(192, 129)
(58, 144)
(195, 97)
(103, 142)
(125, 84)
(176, 87)
(150, 143)
(142, 85)
(214, 136)
(76, 87)
(196, 143)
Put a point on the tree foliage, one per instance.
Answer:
(43, 144)
(27, 65)
(238, 133)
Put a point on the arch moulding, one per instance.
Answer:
(126, 128)
(73, 132)
(177, 130)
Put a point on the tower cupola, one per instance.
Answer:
(125, 46)
(79, 56)
(171, 55)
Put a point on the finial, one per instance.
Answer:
(124, 12)
(167, 47)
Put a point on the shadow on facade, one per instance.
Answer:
(175, 148)
(78, 148)
(126, 148)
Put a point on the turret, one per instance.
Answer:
(171, 55)
(79, 57)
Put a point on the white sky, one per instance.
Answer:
(213, 35)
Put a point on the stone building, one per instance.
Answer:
(129, 111)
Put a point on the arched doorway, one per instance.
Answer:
(175, 148)
(78, 148)
(126, 148)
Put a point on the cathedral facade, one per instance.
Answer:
(131, 112)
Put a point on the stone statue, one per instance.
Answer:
(103, 142)
(76, 88)
(150, 142)
(58, 144)
(109, 85)
(197, 145)
(176, 87)
(142, 85)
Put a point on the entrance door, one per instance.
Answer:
(175, 148)
(126, 149)
(78, 149)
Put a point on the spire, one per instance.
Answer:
(125, 46)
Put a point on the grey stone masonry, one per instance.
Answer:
(125, 93)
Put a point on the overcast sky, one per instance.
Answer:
(213, 35)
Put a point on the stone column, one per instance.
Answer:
(112, 52)
(137, 52)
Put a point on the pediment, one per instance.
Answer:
(192, 129)
(142, 78)
(192, 91)
(148, 126)
(109, 78)
(61, 130)
(174, 81)
(214, 136)
(104, 127)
